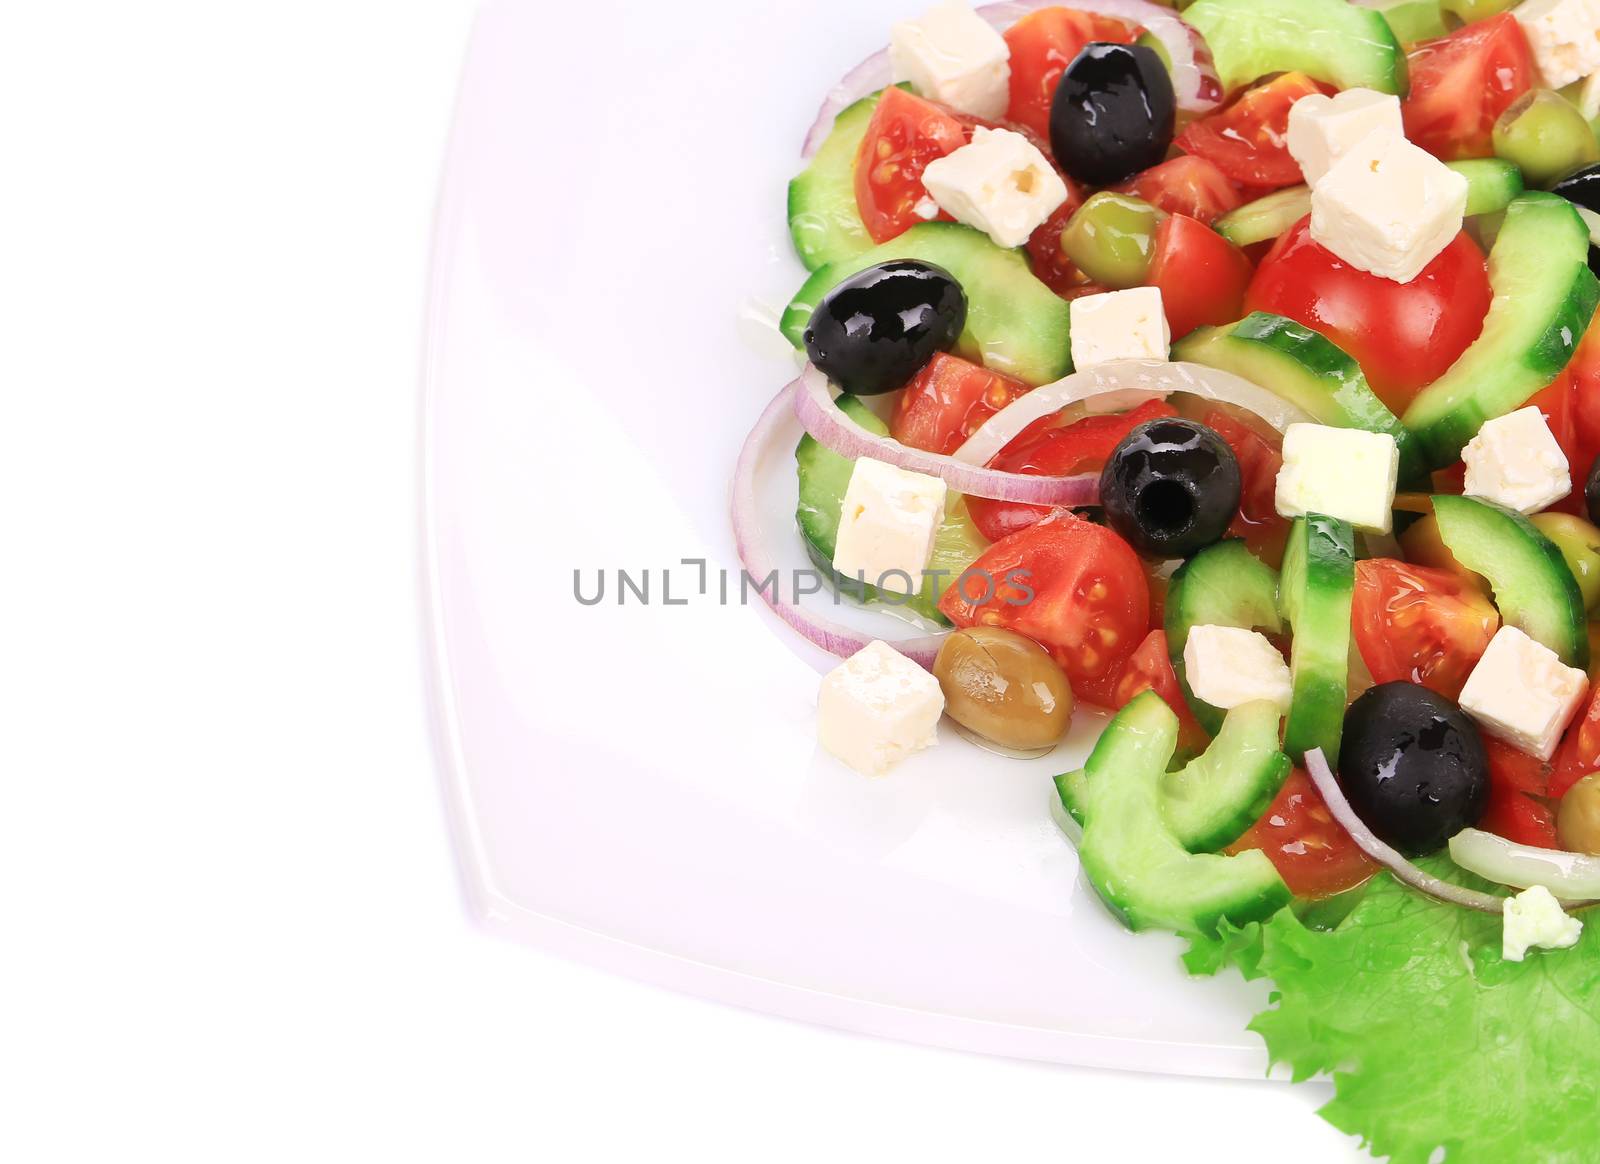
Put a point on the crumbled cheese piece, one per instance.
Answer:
(1388, 207)
(999, 183)
(1347, 473)
(1323, 129)
(1564, 36)
(1516, 461)
(887, 525)
(952, 55)
(1522, 693)
(1118, 325)
(876, 708)
(1227, 666)
(1535, 918)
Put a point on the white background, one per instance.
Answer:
(229, 922)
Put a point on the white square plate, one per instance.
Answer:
(638, 785)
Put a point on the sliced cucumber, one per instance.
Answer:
(1315, 594)
(1333, 41)
(1491, 185)
(1544, 296)
(1410, 20)
(824, 477)
(1532, 585)
(1131, 857)
(1015, 324)
(1214, 798)
(1223, 585)
(1301, 366)
(823, 220)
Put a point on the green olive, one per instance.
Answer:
(1546, 136)
(1578, 818)
(1469, 11)
(1112, 239)
(1579, 543)
(1004, 688)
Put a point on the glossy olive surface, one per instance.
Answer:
(1004, 687)
(1412, 766)
(1170, 488)
(1546, 136)
(1578, 818)
(874, 331)
(1113, 113)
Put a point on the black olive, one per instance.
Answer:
(1112, 114)
(1170, 488)
(1582, 188)
(875, 331)
(1412, 766)
(1591, 491)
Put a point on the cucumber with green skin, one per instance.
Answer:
(1015, 324)
(1315, 592)
(824, 221)
(1305, 368)
(1532, 584)
(1223, 585)
(1332, 40)
(1544, 297)
(1129, 853)
(824, 477)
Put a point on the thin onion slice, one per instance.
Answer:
(823, 419)
(1322, 776)
(1194, 78)
(753, 533)
(1574, 877)
(1120, 385)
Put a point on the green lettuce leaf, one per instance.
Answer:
(1431, 1038)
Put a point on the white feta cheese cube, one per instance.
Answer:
(876, 708)
(1118, 325)
(1515, 461)
(1228, 665)
(1564, 36)
(1388, 207)
(1522, 693)
(887, 526)
(999, 183)
(1347, 473)
(952, 55)
(1323, 129)
(1535, 918)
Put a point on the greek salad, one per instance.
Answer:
(1234, 368)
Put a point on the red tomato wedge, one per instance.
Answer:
(1043, 44)
(1260, 458)
(948, 401)
(1419, 624)
(1186, 185)
(1248, 141)
(904, 135)
(1584, 372)
(1149, 668)
(1072, 586)
(1202, 275)
(1558, 402)
(1052, 450)
(1312, 852)
(1462, 82)
(1517, 808)
(1404, 335)
(1579, 753)
(1050, 265)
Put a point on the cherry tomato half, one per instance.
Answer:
(904, 135)
(1042, 45)
(1311, 850)
(1186, 185)
(1462, 82)
(1419, 624)
(1202, 275)
(1249, 140)
(948, 401)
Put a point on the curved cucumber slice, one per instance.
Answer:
(1532, 585)
(1015, 324)
(1333, 41)
(1492, 184)
(823, 220)
(1130, 856)
(1214, 798)
(1223, 585)
(1544, 296)
(1411, 20)
(1315, 595)
(1302, 366)
(824, 477)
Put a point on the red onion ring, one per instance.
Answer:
(752, 533)
(1322, 776)
(823, 419)
(1194, 78)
